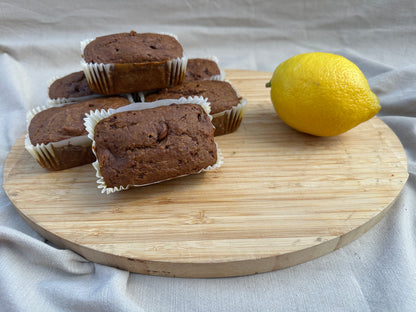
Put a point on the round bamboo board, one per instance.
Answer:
(281, 198)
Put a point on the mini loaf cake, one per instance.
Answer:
(203, 69)
(140, 146)
(57, 137)
(132, 62)
(73, 87)
(227, 107)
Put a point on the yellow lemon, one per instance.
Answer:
(322, 94)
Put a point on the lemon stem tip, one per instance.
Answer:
(269, 84)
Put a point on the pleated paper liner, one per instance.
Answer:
(229, 120)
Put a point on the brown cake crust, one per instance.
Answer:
(152, 145)
(132, 47)
(60, 123)
(201, 69)
(220, 94)
(74, 85)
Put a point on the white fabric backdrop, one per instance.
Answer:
(377, 272)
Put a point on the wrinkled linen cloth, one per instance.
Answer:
(376, 272)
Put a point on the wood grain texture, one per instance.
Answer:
(280, 198)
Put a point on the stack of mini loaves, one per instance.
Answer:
(139, 108)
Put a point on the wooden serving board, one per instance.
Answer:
(280, 198)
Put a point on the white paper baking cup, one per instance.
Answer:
(229, 120)
(58, 101)
(103, 78)
(94, 117)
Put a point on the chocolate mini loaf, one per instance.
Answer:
(227, 107)
(137, 146)
(203, 69)
(73, 87)
(132, 62)
(57, 137)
